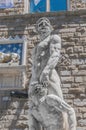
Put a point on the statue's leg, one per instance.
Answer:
(55, 84)
(33, 123)
(64, 107)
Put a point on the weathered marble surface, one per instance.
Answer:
(46, 104)
(9, 57)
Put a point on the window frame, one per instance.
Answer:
(18, 72)
(27, 6)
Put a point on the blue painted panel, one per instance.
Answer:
(58, 5)
(40, 7)
(12, 48)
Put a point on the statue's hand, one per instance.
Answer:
(43, 99)
(44, 77)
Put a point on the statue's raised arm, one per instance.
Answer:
(54, 51)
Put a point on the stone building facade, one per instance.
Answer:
(71, 27)
(23, 7)
(17, 9)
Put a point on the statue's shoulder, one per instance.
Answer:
(52, 99)
(56, 38)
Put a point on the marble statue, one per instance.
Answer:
(46, 103)
(9, 57)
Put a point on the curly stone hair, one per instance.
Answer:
(45, 20)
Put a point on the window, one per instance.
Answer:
(57, 5)
(12, 63)
(38, 7)
(48, 5)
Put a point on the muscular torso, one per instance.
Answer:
(40, 58)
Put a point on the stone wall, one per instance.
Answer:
(71, 27)
(19, 7)
(78, 4)
(13, 112)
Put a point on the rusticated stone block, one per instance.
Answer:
(84, 115)
(79, 79)
(66, 85)
(76, 90)
(82, 55)
(82, 122)
(79, 102)
(78, 61)
(78, 48)
(67, 79)
(75, 85)
(65, 72)
(67, 30)
(79, 73)
(82, 67)
(69, 96)
(80, 29)
(73, 56)
(82, 96)
(77, 34)
(81, 128)
(70, 50)
(82, 110)
(71, 67)
(73, 25)
(65, 90)
(85, 48)
(82, 39)
(79, 115)
(84, 78)
(68, 44)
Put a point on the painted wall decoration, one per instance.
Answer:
(11, 52)
(6, 4)
(12, 62)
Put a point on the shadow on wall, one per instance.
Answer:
(13, 112)
(11, 26)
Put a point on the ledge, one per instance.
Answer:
(44, 14)
(11, 39)
(12, 69)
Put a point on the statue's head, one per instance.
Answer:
(39, 90)
(43, 26)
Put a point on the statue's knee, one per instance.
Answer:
(71, 111)
(31, 127)
(72, 116)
